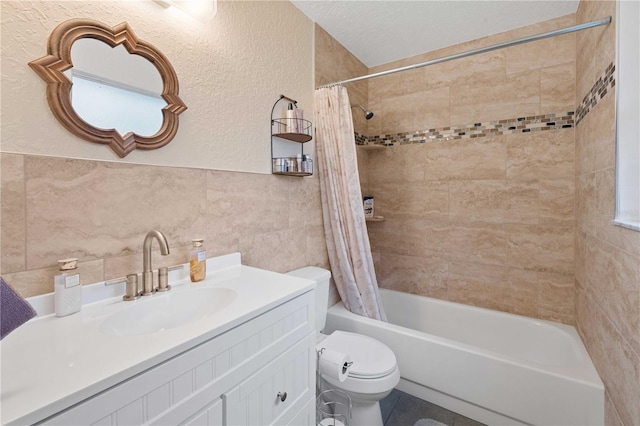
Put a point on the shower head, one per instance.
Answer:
(367, 114)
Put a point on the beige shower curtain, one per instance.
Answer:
(344, 223)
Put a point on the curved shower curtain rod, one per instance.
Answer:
(604, 21)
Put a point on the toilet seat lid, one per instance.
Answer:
(371, 359)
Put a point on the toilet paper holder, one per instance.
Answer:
(344, 367)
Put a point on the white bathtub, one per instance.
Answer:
(494, 367)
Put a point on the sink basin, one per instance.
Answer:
(168, 310)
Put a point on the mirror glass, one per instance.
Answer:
(113, 89)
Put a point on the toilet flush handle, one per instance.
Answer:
(282, 396)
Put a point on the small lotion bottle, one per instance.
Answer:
(67, 288)
(198, 261)
(292, 123)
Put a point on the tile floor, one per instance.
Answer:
(402, 409)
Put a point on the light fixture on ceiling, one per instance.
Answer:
(202, 10)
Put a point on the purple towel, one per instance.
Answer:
(14, 310)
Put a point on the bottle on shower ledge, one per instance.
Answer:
(368, 206)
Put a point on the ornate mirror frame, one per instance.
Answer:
(51, 69)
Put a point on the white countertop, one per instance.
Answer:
(51, 363)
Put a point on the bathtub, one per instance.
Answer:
(494, 367)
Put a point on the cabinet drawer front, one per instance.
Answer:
(195, 378)
(258, 400)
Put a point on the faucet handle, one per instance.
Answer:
(119, 280)
(163, 279)
(132, 288)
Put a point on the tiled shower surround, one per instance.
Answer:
(489, 205)
(601, 87)
(484, 221)
(477, 185)
(607, 270)
(517, 222)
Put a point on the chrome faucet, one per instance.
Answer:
(147, 274)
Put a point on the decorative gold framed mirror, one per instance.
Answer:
(133, 104)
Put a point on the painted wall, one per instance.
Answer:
(231, 71)
(64, 197)
(607, 256)
(488, 219)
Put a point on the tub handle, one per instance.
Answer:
(282, 396)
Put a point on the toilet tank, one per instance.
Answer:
(321, 277)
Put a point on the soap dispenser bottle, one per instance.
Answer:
(198, 261)
(67, 288)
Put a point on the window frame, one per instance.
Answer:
(627, 193)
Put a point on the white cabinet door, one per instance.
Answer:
(276, 393)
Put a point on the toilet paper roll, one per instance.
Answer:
(335, 365)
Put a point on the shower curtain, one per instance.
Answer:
(344, 222)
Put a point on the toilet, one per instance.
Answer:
(374, 372)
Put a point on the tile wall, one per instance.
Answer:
(607, 256)
(99, 212)
(487, 222)
(478, 188)
(520, 81)
(333, 62)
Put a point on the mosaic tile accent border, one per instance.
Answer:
(536, 123)
(603, 85)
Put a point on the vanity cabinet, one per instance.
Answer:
(235, 378)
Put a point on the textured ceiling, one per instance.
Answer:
(382, 31)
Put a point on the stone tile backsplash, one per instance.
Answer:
(99, 212)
